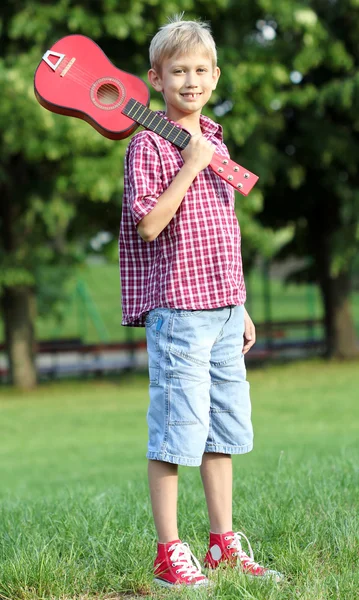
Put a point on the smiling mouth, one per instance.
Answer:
(191, 95)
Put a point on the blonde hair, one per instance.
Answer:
(184, 37)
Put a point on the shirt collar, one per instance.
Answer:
(208, 127)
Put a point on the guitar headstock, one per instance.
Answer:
(241, 179)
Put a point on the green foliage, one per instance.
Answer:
(290, 88)
(62, 179)
(292, 71)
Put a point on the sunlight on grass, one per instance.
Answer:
(75, 517)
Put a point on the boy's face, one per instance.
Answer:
(186, 82)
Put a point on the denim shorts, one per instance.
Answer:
(199, 396)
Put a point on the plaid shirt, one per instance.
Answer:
(195, 263)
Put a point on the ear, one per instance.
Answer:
(216, 76)
(155, 80)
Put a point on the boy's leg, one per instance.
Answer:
(216, 473)
(230, 432)
(163, 483)
(174, 563)
(179, 345)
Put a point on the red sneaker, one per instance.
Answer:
(174, 566)
(227, 548)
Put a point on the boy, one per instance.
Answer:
(182, 278)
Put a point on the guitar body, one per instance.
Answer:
(76, 78)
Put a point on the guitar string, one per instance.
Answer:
(86, 84)
(108, 89)
(82, 76)
(85, 79)
(85, 76)
(173, 130)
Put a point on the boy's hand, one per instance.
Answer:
(249, 333)
(198, 153)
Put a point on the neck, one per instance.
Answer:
(149, 119)
(189, 122)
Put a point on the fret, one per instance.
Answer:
(149, 119)
(163, 133)
(150, 114)
(145, 115)
(186, 140)
(233, 174)
(135, 105)
(139, 118)
(171, 132)
(183, 139)
(158, 121)
(131, 104)
(142, 118)
(167, 130)
(160, 132)
(173, 140)
(133, 116)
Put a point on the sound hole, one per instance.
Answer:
(107, 93)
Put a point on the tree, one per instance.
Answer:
(296, 91)
(55, 172)
(287, 98)
(60, 181)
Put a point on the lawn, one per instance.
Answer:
(75, 518)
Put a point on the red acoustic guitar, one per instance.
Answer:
(76, 78)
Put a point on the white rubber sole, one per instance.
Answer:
(163, 583)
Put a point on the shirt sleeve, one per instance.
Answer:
(144, 176)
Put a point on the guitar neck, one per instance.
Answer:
(238, 177)
(154, 122)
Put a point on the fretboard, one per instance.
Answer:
(150, 120)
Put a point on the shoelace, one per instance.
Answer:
(182, 557)
(236, 544)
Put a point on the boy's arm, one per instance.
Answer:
(249, 336)
(197, 156)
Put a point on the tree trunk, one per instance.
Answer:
(340, 332)
(18, 305)
(324, 221)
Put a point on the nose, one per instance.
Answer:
(191, 81)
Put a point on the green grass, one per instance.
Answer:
(75, 518)
(103, 285)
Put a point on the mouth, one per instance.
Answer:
(191, 95)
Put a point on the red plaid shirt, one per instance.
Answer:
(195, 263)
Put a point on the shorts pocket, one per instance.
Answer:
(151, 317)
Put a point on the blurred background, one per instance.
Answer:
(75, 517)
(288, 100)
